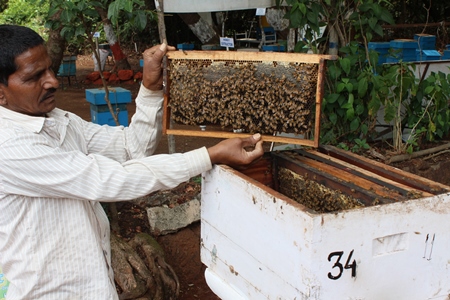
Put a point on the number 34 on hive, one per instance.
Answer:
(339, 266)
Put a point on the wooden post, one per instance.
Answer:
(163, 39)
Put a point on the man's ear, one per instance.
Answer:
(2, 95)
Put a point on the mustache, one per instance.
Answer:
(50, 92)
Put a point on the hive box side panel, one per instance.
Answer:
(400, 251)
(391, 251)
(254, 233)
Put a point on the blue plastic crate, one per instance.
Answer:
(426, 55)
(116, 95)
(101, 115)
(185, 46)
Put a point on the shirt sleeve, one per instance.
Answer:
(92, 162)
(35, 169)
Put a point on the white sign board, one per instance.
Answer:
(226, 42)
(261, 11)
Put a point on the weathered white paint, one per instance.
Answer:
(109, 33)
(259, 244)
(203, 30)
(189, 6)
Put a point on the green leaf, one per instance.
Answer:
(429, 89)
(389, 113)
(354, 124)
(364, 129)
(387, 17)
(141, 20)
(340, 87)
(373, 22)
(365, 7)
(333, 118)
(378, 30)
(359, 109)
(302, 8)
(362, 86)
(345, 65)
(331, 98)
(347, 105)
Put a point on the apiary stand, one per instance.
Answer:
(260, 244)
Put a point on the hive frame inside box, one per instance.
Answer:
(260, 244)
(319, 60)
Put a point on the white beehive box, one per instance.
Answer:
(260, 244)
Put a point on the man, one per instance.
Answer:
(55, 168)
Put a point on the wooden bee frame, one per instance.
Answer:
(229, 59)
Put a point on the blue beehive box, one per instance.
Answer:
(425, 55)
(274, 48)
(185, 46)
(426, 41)
(446, 54)
(404, 49)
(382, 48)
(68, 66)
(100, 113)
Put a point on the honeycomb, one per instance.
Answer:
(256, 96)
(314, 195)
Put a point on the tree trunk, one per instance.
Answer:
(120, 59)
(206, 33)
(55, 46)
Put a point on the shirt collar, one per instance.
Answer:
(34, 124)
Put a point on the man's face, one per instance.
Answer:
(31, 89)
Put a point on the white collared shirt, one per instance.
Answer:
(54, 171)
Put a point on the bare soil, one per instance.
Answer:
(182, 248)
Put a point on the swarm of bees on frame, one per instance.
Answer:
(314, 195)
(264, 97)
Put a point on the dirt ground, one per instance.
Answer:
(183, 248)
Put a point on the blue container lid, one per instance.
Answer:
(411, 44)
(116, 95)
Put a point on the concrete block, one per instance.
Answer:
(164, 220)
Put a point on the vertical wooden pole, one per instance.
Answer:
(163, 39)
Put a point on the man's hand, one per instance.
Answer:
(152, 75)
(233, 151)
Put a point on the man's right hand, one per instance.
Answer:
(233, 151)
(152, 74)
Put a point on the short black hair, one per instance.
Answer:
(15, 40)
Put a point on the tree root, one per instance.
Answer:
(140, 270)
(404, 157)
